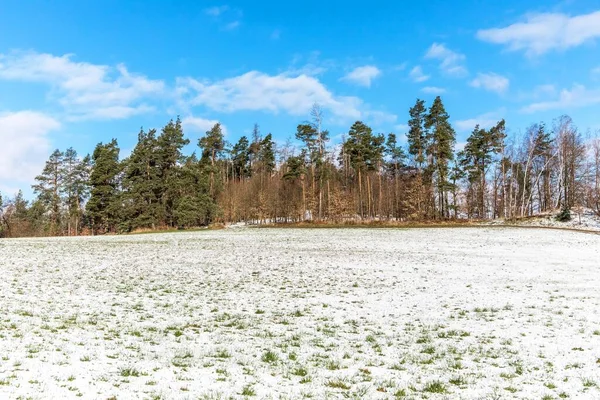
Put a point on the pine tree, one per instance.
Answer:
(266, 154)
(104, 206)
(417, 134)
(194, 205)
(440, 150)
(212, 146)
(74, 188)
(142, 184)
(170, 144)
(365, 152)
(240, 157)
(48, 188)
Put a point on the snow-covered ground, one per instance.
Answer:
(442, 313)
(582, 220)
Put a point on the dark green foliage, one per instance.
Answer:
(365, 150)
(477, 156)
(240, 158)
(48, 187)
(395, 153)
(417, 135)
(104, 207)
(266, 154)
(295, 168)
(440, 137)
(142, 186)
(564, 215)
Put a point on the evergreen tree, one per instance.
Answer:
(48, 188)
(142, 183)
(365, 152)
(169, 144)
(440, 150)
(395, 153)
(476, 158)
(194, 205)
(254, 149)
(417, 134)
(104, 206)
(74, 188)
(240, 157)
(266, 155)
(212, 146)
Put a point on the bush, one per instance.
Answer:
(564, 215)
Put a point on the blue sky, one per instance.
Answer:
(74, 73)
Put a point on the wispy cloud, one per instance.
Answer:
(282, 93)
(231, 25)
(198, 124)
(257, 91)
(451, 62)
(486, 120)
(578, 96)
(491, 82)
(216, 10)
(433, 90)
(363, 76)
(539, 33)
(417, 74)
(86, 91)
(229, 18)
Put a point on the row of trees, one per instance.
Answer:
(368, 176)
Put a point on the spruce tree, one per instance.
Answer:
(104, 206)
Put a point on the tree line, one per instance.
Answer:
(367, 177)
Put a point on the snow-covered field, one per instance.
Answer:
(303, 313)
(585, 220)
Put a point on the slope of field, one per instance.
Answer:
(299, 313)
(585, 220)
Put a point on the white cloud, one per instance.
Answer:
(231, 26)
(540, 33)
(25, 144)
(417, 74)
(380, 117)
(578, 96)
(363, 76)
(402, 127)
(257, 91)
(433, 90)
(451, 62)
(492, 82)
(276, 34)
(85, 90)
(485, 121)
(216, 10)
(596, 71)
(197, 124)
(543, 91)
(308, 64)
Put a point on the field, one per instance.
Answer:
(443, 313)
